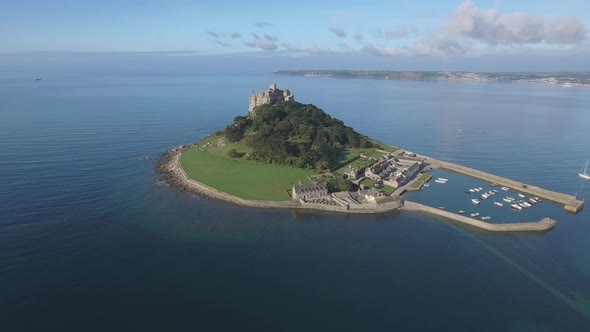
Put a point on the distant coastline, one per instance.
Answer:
(565, 79)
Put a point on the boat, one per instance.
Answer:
(511, 198)
(493, 184)
(484, 196)
(516, 207)
(526, 204)
(475, 214)
(505, 188)
(476, 189)
(440, 181)
(491, 193)
(507, 200)
(497, 192)
(498, 204)
(461, 212)
(475, 201)
(426, 185)
(520, 195)
(522, 204)
(533, 201)
(486, 218)
(584, 174)
(441, 207)
(37, 78)
(443, 179)
(480, 188)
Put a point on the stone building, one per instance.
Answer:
(271, 96)
(307, 192)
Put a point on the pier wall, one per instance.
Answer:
(571, 204)
(543, 225)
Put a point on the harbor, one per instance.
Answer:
(454, 196)
(570, 203)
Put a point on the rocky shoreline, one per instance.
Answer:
(173, 174)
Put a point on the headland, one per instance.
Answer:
(287, 155)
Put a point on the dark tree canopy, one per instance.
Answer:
(294, 134)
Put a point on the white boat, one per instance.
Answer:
(516, 207)
(522, 204)
(461, 212)
(526, 204)
(426, 185)
(533, 201)
(475, 214)
(484, 196)
(486, 218)
(480, 188)
(475, 201)
(505, 188)
(507, 200)
(439, 181)
(520, 195)
(476, 189)
(584, 174)
(443, 179)
(498, 204)
(491, 193)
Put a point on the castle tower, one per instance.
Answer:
(272, 96)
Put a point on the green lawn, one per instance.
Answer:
(243, 178)
(418, 183)
(387, 190)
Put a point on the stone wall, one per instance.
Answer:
(541, 226)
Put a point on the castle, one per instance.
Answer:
(273, 95)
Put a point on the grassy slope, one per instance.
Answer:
(240, 177)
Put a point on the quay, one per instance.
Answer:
(543, 225)
(571, 203)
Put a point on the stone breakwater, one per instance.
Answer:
(174, 175)
(541, 226)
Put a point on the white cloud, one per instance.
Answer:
(339, 32)
(392, 34)
(490, 27)
(263, 43)
(383, 51)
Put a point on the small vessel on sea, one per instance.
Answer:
(37, 79)
(584, 174)
(486, 218)
(441, 207)
(505, 188)
(475, 201)
(507, 200)
(440, 181)
(498, 204)
(475, 214)
(476, 189)
(484, 196)
(516, 207)
(461, 212)
(493, 184)
(520, 195)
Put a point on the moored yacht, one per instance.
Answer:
(475, 201)
(498, 204)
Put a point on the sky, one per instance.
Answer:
(395, 35)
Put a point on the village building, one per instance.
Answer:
(309, 192)
(351, 173)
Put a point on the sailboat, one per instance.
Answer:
(584, 175)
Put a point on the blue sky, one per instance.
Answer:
(366, 33)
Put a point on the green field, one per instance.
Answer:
(420, 181)
(210, 165)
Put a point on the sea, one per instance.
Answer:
(91, 241)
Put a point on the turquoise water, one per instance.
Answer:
(90, 241)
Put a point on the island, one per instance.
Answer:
(286, 154)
